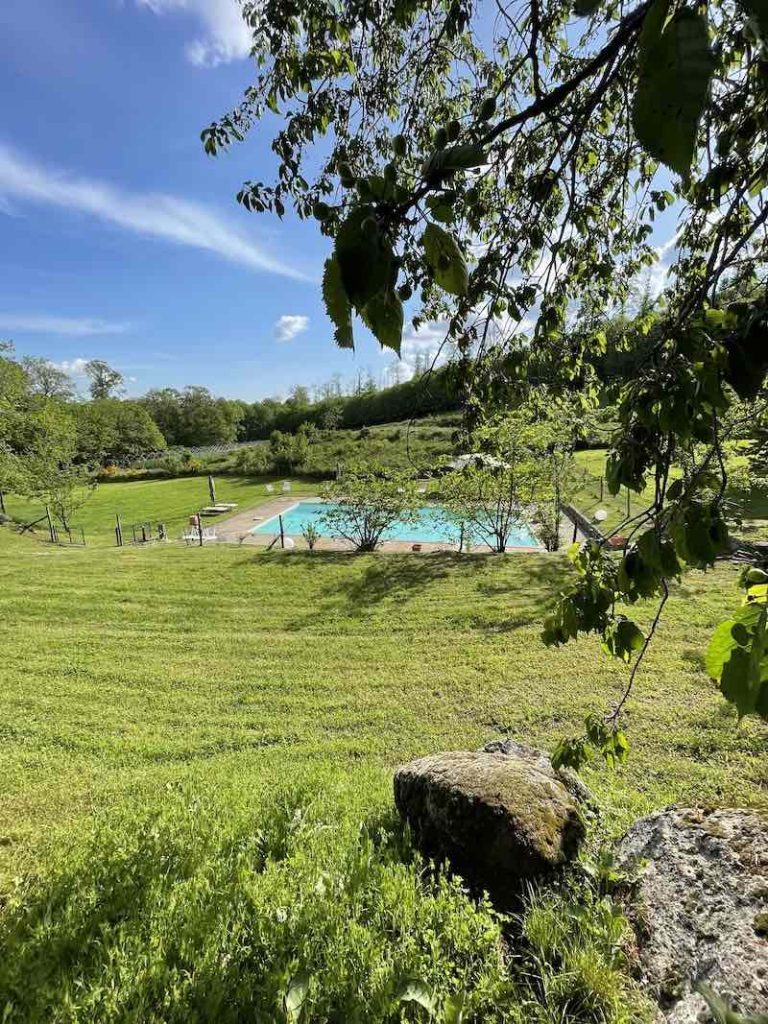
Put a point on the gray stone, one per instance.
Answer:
(697, 905)
(500, 819)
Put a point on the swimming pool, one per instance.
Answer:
(431, 526)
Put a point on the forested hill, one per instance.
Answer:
(421, 396)
(193, 416)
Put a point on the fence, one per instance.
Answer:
(580, 522)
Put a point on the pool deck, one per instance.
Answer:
(236, 530)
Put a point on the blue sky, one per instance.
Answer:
(121, 240)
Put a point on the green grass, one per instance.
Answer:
(753, 505)
(134, 667)
(195, 777)
(169, 501)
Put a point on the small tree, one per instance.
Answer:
(63, 487)
(331, 417)
(300, 443)
(311, 535)
(288, 450)
(521, 471)
(104, 379)
(361, 508)
(48, 380)
(491, 500)
(251, 461)
(281, 450)
(551, 444)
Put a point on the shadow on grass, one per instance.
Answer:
(397, 575)
(502, 592)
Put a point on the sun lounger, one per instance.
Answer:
(218, 509)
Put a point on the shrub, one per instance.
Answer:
(311, 535)
(363, 507)
(251, 461)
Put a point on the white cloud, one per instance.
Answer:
(153, 215)
(74, 367)
(226, 38)
(425, 344)
(658, 274)
(80, 327)
(288, 326)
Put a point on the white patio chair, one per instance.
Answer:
(269, 488)
(193, 536)
(286, 486)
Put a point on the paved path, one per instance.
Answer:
(236, 529)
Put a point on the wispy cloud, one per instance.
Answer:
(657, 276)
(153, 215)
(288, 326)
(74, 367)
(226, 37)
(424, 347)
(78, 327)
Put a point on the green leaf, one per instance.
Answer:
(295, 997)
(737, 658)
(337, 304)
(584, 7)
(441, 207)
(653, 26)
(622, 639)
(454, 1010)
(758, 9)
(699, 533)
(444, 162)
(445, 259)
(675, 69)
(721, 1011)
(571, 752)
(748, 360)
(384, 316)
(416, 991)
(675, 490)
(365, 258)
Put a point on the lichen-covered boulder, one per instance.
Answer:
(500, 819)
(700, 908)
(541, 760)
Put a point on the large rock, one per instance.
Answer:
(541, 760)
(700, 908)
(500, 818)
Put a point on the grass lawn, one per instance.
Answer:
(197, 748)
(126, 669)
(169, 501)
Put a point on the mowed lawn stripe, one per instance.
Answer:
(129, 670)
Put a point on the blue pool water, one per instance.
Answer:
(430, 527)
